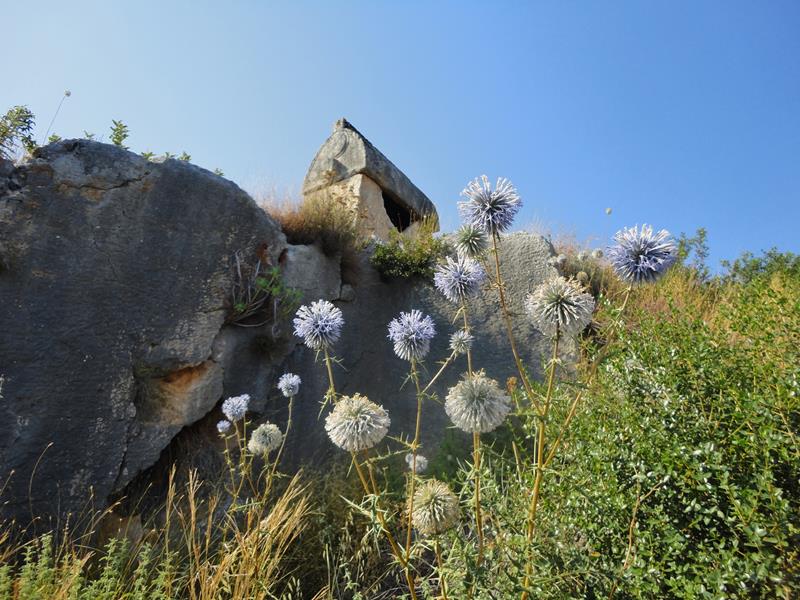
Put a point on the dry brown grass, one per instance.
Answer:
(322, 219)
(199, 546)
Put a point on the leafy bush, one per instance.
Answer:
(748, 266)
(259, 295)
(680, 475)
(407, 256)
(16, 131)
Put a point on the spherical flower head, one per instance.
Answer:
(489, 210)
(435, 508)
(459, 278)
(235, 407)
(476, 404)
(461, 341)
(67, 93)
(470, 241)
(320, 324)
(356, 423)
(560, 306)
(223, 426)
(411, 333)
(597, 254)
(641, 256)
(264, 439)
(422, 462)
(289, 384)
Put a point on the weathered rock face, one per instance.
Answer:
(114, 346)
(114, 283)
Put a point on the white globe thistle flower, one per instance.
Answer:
(470, 241)
(320, 324)
(489, 210)
(459, 278)
(356, 423)
(476, 404)
(422, 462)
(597, 254)
(223, 426)
(289, 384)
(560, 306)
(435, 508)
(264, 439)
(235, 407)
(641, 256)
(411, 333)
(461, 341)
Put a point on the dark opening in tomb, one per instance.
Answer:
(400, 216)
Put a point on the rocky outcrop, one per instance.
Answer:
(116, 273)
(116, 346)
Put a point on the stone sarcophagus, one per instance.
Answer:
(349, 169)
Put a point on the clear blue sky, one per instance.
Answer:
(679, 114)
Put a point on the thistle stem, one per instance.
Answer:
(439, 562)
(398, 553)
(466, 328)
(283, 443)
(507, 320)
(331, 384)
(439, 372)
(415, 443)
(537, 483)
(476, 445)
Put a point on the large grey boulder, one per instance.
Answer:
(115, 277)
(115, 343)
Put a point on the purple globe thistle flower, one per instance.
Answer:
(560, 306)
(470, 241)
(264, 439)
(459, 278)
(461, 341)
(477, 404)
(411, 334)
(641, 256)
(235, 407)
(223, 426)
(356, 423)
(489, 210)
(289, 384)
(435, 508)
(320, 324)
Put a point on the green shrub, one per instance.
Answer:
(259, 295)
(680, 475)
(409, 256)
(16, 131)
